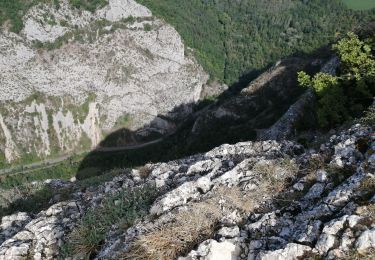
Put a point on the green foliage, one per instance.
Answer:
(14, 10)
(123, 121)
(357, 58)
(89, 5)
(64, 171)
(346, 95)
(320, 82)
(360, 4)
(147, 27)
(34, 198)
(234, 38)
(369, 117)
(100, 179)
(122, 209)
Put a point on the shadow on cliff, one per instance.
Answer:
(235, 116)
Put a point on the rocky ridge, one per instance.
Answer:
(251, 200)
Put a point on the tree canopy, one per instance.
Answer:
(234, 38)
(347, 94)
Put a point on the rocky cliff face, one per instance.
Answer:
(72, 76)
(251, 200)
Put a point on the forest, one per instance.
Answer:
(232, 39)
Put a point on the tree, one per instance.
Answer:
(346, 95)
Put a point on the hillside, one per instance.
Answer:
(120, 138)
(72, 76)
(268, 199)
(77, 71)
(234, 39)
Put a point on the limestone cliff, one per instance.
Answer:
(72, 76)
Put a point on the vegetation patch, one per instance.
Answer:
(188, 227)
(25, 198)
(144, 171)
(89, 33)
(275, 171)
(100, 179)
(198, 222)
(348, 94)
(89, 5)
(122, 209)
(360, 4)
(123, 121)
(12, 11)
(369, 117)
(64, 171)
(231, 39)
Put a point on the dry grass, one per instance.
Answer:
(235, 198)
(189, 227)
(367, 189)
(275, 173)
(368, 185)
(144, 171)
(367, 211)
(354, 255)
(168, 242)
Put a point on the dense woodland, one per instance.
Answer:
(236, 38)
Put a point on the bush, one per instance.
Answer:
(122, 209)
(348, 94)
(89, 5)
(369, 117)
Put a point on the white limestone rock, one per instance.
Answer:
(366, 241)
(290, 252)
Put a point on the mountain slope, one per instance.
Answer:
(71, 76)
(234, 39)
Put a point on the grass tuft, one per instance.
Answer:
(122, 209)
(144, 171)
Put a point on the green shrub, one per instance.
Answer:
(147, 27)
(122, 210)
(89, 5)
(369, 117)
(348, 94)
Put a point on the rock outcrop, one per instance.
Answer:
(71, 76)
(251, 200)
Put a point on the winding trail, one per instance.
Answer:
(128, 147)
